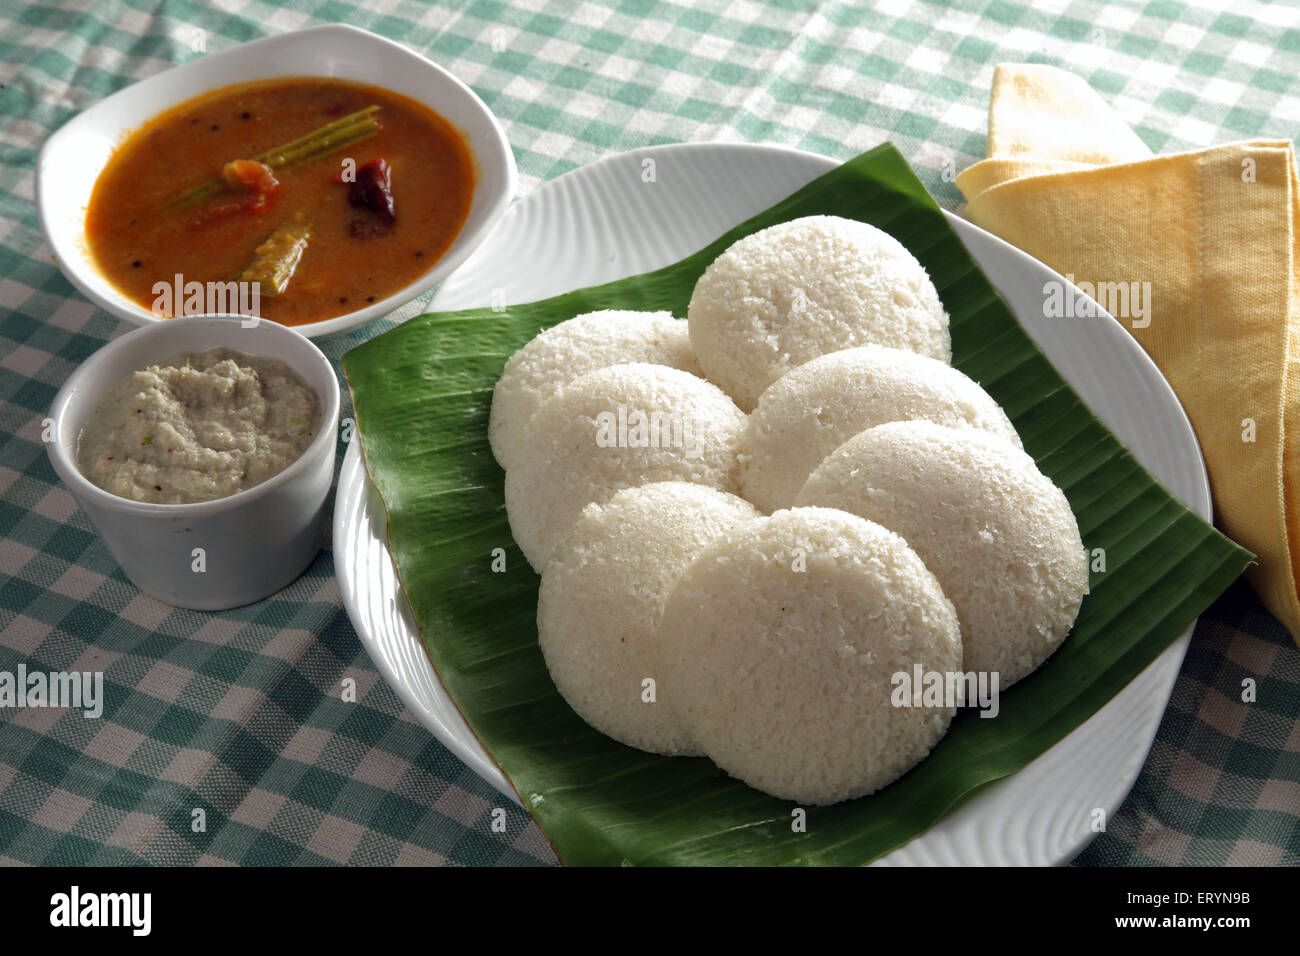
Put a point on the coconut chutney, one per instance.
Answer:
(197, 427)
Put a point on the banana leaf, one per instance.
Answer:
(422, 393)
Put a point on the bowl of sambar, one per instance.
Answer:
(319, 179)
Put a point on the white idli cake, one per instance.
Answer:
(784, 676)
(810, 411)
(784, 295)
(581, 344)
(996, 532)
(615, 428)
(602, 597)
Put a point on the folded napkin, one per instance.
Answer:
(1205, 244)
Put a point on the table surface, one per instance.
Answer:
(241, 714)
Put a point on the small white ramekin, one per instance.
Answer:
(218, 554)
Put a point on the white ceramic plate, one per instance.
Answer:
(603, 222)
(73, 157)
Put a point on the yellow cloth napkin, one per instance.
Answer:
(1216, 233)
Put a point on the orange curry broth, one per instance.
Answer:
(139, 238)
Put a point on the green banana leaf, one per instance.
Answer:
(422, 393)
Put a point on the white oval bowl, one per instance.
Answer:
(1039, 815)
(255, 541)
(73, 157)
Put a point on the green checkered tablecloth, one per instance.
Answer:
(240, 714)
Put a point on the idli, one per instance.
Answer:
(810, 411)
(996, 532)
(781, 642)
(581, 344)
(784, 295)
(614, 428)
(602, 597)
